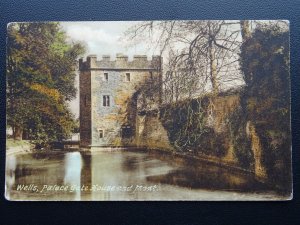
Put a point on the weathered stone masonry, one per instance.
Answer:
(108, 92)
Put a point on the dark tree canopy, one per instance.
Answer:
(266, 98)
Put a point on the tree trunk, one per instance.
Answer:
(25, 135)
(245, 30)
(213, 66)
(213, 71)
(17, 133)
(160, 74)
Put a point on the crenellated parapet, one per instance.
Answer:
(139, 62)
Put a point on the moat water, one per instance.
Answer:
(124, 175)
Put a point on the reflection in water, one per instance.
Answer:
(72, 172)
(123, 175)
(10, 173)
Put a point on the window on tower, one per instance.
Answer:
(106, 100)
(101, 133)
(105, 77)
(127, 77)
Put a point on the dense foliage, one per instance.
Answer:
(40, 80)
(266, 98)
(188, 130)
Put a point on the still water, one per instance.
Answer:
(124, 175)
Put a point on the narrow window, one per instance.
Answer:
(151, 75)
(106, 101)
(101, 133)
(127, 78)
(105, 77)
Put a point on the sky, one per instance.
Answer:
(107, 38)
(103, 38)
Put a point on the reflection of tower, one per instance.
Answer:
(106, 91)
(73, 165)
(86, 177)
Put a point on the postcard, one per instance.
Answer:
(194, 110)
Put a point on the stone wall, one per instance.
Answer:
(151, 133)
(223, 106)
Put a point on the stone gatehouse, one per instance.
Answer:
(109, 95)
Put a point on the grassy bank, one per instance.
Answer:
(11, 143)
(17, 146)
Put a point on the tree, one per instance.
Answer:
(206, 52)
(266, 98)
(40, 80)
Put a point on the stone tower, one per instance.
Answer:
(108, 97)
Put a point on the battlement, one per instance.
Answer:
(121, 62)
